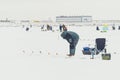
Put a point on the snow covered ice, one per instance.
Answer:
(31, 55)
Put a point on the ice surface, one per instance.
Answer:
(41, 55)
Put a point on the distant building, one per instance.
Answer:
(73, 18)
(24, 21)
(6, 20)
(86, 18)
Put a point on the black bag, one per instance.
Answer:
(106, 56)
(86, 52)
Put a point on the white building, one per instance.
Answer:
(74, 19)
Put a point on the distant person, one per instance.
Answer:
(64, 27)
(118, 27)
(48, 27)
(113, 27)
(97, 28)
(27, 29)
(72, 39)
(60, 28)
(42, 28)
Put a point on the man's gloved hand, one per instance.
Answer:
(70, 40)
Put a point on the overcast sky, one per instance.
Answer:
(44, 9)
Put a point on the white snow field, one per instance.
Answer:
(41, 55)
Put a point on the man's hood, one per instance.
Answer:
(64, 34)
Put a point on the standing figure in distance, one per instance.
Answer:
(97, 28)
(118, 27)
(64, 27)
(60, 28)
